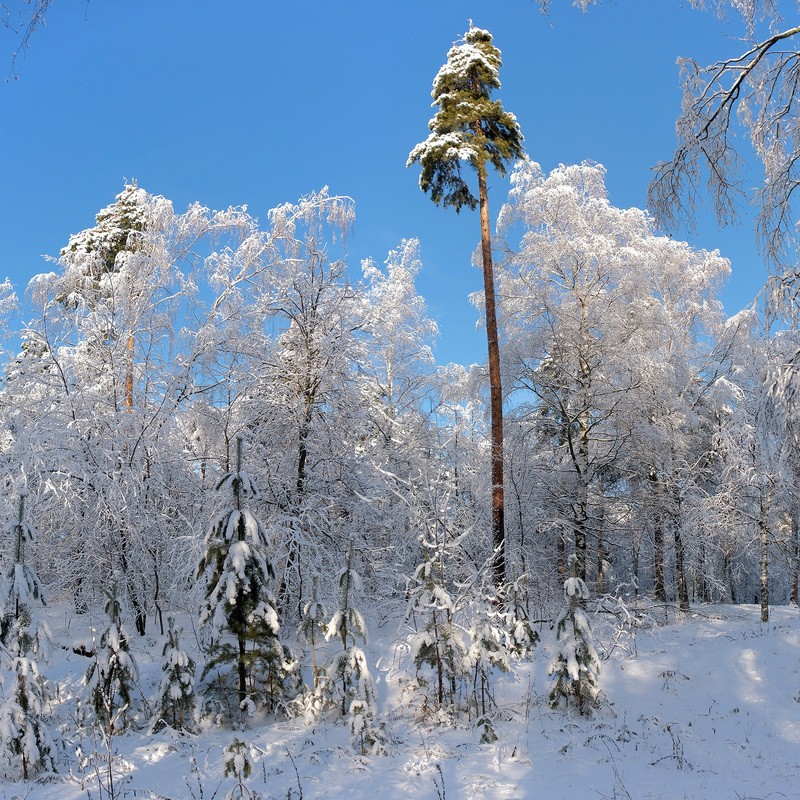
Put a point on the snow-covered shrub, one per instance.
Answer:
(487, 652)
(520, 637)
(22, 630)
(311, 624)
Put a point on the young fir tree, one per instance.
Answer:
(471, 127)
(520, 637)
(239, 603)
(575, 666)
(438, 643)
(487, 652)
(22, 630)
(112, 675)
(28, 747)
(311, 621)
(239, 766)
(347, 685)
(175, 705)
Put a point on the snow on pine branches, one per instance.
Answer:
(575, 666)
(175, 702)
(27, 747)
(239, 603)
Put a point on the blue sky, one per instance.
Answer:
(258, 103)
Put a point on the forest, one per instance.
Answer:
(230, 457)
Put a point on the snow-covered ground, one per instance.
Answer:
(702, 707)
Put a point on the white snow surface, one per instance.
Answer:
(704, 706)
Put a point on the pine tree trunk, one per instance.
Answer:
(495, 390)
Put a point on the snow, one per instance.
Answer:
(701, 707)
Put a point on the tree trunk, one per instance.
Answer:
(129, 375)
(241, 669)
(659, 587)
(680, 570)
(659, 583)
(795, 529)
(764, 536)
(601, 552)
(561, 556)
(495, 390)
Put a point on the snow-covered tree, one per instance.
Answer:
(575, 666)
(175, 700)
(113, 674)
(347, 687)
(238, 611)
(487, 653)
(23, 632)
(611, 332)
(311, 627)
(472, 128)
(28, 745)
(239, 766)
(519, 635)
(438, 643)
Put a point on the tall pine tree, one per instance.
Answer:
(471, 127)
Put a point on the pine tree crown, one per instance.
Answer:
(469, 126)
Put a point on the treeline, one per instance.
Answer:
(647, 433)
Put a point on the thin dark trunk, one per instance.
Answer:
(495, 390)
(680, 570)
(659, 586)
(795, 597)
(764, 577)
(728, 570)
(601, 555)
(581, 523)
(561, 556)
(241, 668)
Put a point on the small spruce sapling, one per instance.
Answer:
(239, 602)
(28, 747)
(575, 666)
(347, 683)
(175, 701)
(438, 643)
(239, 766)
(112, 675)
(22, 630)
(520, 636)
(487, 652)
(311, 622)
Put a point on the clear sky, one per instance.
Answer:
(258, 102)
